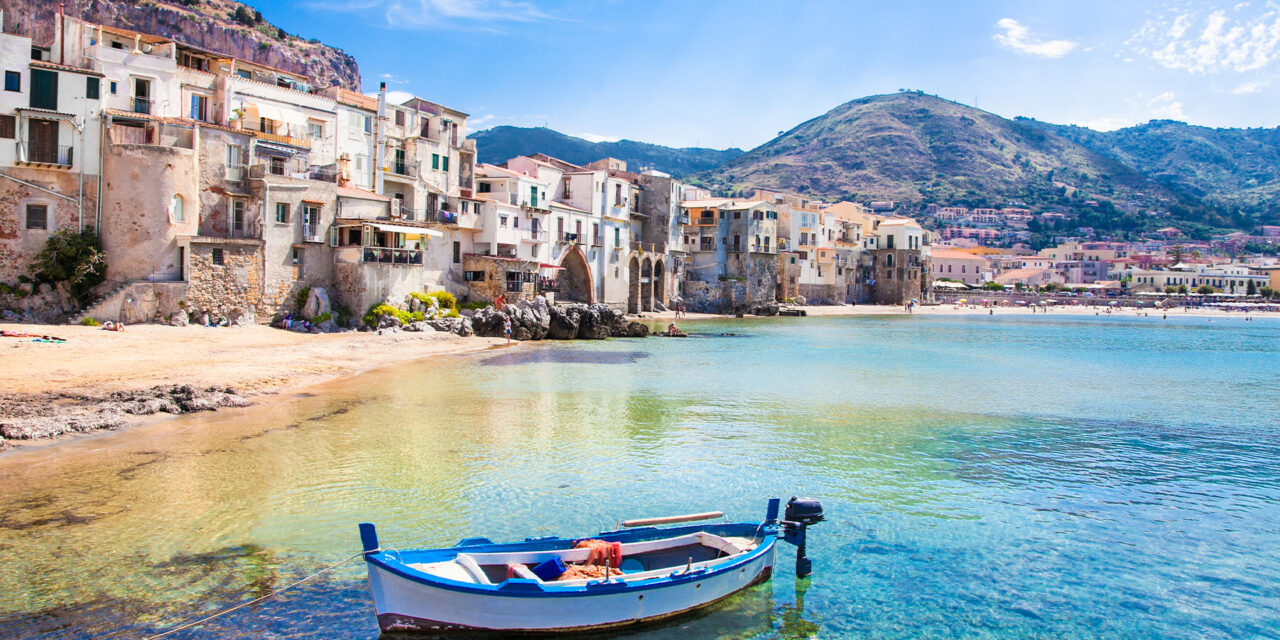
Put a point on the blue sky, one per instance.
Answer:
(734, 73)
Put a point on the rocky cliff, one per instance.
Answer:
(206, 24)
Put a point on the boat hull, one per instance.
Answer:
(406, 604)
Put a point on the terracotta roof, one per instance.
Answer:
(62, 67)
(352, 192)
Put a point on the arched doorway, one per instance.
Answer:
(660, 282)
(575, 277)
(633, 286)
(646, 285)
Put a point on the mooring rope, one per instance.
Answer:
(258, 599)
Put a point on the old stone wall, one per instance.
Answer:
(19, 245)
(494, 283)
(140, 227)
(899, 275)
(231, 289)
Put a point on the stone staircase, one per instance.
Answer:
(95, 308)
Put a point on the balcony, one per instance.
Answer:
(650, 247)
(312, 233)
(535, 235)
(385, 255)
(140, 105)
(301, 143)
(58, 156)
(571, 238)
(597, 241)
(403, 169)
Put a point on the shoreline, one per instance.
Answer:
(101, 381)
(130, 377)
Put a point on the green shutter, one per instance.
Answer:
(435, 161)
(44, 89)
(91, 88)
(445, 163)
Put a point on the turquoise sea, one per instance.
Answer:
(984, 477)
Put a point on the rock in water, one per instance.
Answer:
(564, 322)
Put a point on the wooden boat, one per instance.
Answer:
(651, 573)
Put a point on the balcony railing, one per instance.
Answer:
(535, 235)
(312, 233)
(141, 105)
(570, 237)
(385, 255)
(651, 247)
(46, 154)
(597, 241)
(406, 169)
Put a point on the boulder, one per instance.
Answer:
(420, 327)
(596, 323)
(388, 322)
(178, 319)
(328, 326)
(564, 322)
(460, 326)
(316, 304)
(631, 329)
(800, 300)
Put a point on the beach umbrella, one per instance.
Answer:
(915, 301)
(1112, 303)
(1022, 302)
(962, 300)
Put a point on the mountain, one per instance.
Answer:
(499, 144)
(1240, 167)
(224, 26)
(917, 149)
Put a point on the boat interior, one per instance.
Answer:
(641, 560)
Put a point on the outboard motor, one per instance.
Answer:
(800, 514)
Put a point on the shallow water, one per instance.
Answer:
(1005, 477)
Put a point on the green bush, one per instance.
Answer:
(446, 300)
(73, 258)
(475, 306)
(416, 316)
(452, 313)
(376, 312)
(344, 316)
(300, 299)
(12, 290)
(322, 317)
(90, 322)
(1205, 290)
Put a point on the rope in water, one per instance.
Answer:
(256, 600)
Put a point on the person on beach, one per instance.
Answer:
(506, 328)
(673, 330)
(113, 326)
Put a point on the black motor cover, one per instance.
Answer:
(804, 511)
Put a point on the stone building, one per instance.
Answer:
(897, 266)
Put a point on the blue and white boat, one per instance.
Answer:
(650, 573)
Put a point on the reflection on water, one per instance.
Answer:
(983, 477)
(537, 354)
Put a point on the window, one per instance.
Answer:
(457, 252)
(888, 258)
(44, 89)
(8, 127)
(92, 88)
(113, 87)
(435, 161)
(368, 124)
(617, 195)
(237, 217)
(889, 244)
(277, 166)
(200, 108)
(282, 212)
(37, 216)
(217, 258)
(444, 163)
(12, 81)
(737, 215)
(566, 195)
(617, 237)
(399, 118)
(514, 280)
(176, 213)
(315, 129)
(485, 187)
(266, 125)
(473, 276)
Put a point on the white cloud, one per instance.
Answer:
(484, 15)
(1016, 37)
(1165, 106)
(394, 97)
(1221, 41)
(1253, 86)
(391, 78)
(592, 137)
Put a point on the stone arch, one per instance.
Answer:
(646, 284)
(633, 286)
(575, 278)
(660, 282)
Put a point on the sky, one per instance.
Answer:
(736, 73)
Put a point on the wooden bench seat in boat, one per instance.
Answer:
(468, 567)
